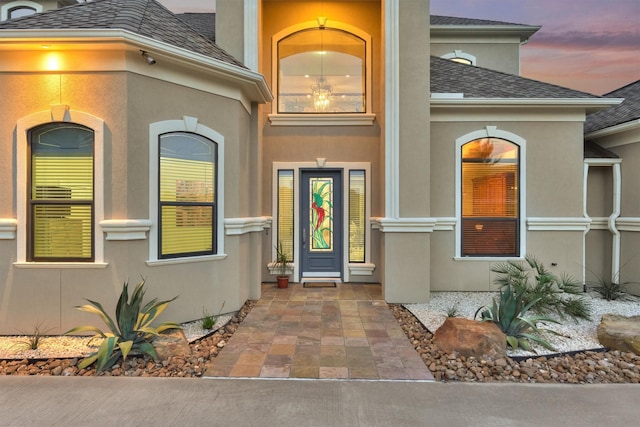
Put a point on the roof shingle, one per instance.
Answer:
(474, 82)
(144, 17)
(627, 111)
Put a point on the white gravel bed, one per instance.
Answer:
(580, 335)
(63, 346)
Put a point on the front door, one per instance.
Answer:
(321, 223)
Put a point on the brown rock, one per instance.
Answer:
(620, 332)
(470, 338)
(171, 343)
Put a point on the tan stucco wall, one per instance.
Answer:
(334, 143)
(498, 55)
(127, 103)
(554, 168)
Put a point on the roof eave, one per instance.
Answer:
(589, 104)
(612, 130)
(253, 84)
(522, 31)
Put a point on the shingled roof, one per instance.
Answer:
(204, 23)
(454, 20)
(625, 112)
(144, 17)
(474, 82)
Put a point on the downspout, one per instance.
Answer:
(586, 215)
(615, 249)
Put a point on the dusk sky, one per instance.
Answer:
(588, 45)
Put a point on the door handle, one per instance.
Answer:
(304, 238)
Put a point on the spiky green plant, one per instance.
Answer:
(549, 293)
(34, 338)
(132, 330)
(510, 315)
(453, 311)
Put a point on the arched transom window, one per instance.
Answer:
(322, 70)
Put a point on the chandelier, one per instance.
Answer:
(321, 92)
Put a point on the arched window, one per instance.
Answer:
(322, 69)
(490, 198)
(187, 195)
(61, 193)
(18, 9)
(461, 57)
(186, 191)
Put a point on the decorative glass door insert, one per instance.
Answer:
(321, 213)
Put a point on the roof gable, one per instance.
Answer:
(475, 82)
(144, 17)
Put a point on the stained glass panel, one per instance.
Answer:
(321, 214)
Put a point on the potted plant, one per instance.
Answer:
(280, 267)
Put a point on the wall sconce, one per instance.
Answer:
(148, 58)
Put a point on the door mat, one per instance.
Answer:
(319, 285)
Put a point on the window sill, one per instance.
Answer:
(350, 119)
(186, 260)
(61, 265)
(488, 258)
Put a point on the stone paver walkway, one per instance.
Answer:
(346, 332)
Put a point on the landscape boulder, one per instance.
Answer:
(471, 338)
(171, 343)
(620, 332)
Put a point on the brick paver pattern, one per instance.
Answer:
(343, 332)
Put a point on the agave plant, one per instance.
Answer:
(547, 292)
(132, 330)
(510, 315)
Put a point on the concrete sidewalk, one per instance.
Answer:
(104, 401)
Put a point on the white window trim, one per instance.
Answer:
(460, 54)
(59, 113)
(492, 132)
(350, 119)
(5, 8)
(186, 124)
(355, 269)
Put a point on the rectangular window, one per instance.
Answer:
(285, 211)
(357, 212)
(61, 193)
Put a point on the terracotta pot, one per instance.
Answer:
(283, 282)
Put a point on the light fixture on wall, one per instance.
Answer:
(321, 90)
(148, 58)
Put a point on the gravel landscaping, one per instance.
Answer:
(418, 321)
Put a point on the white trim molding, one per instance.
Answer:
(558, 224)
(186, 124)
(5, 8)
(126, 229)
(361, 269)
(327, 119)
(392, 108)
(59, 113)
(405, 225)
(350, 119)
(460, 54)
(628, 224)
(492, 132)
(8, 227)
(238, 226)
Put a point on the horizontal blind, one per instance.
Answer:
(285, 212)
(62, 212)
(187, 195)
(357, 222)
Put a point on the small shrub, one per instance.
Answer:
(209, 320)
(534, 282)
(510, 315)
(453, 311)
(34, 338)
(132, 330)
